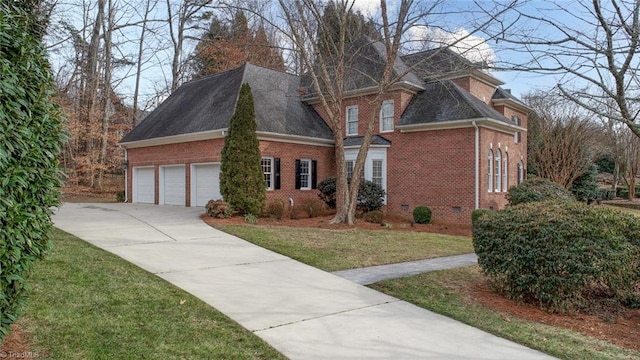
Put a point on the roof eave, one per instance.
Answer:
(295, 139)
(175, 139)
(512, 103)
(485, 122)
(370, 90)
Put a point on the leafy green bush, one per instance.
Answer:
(606, 194)
(477, 213)
(553, 253)
(31, 139)
(537, 189)
(327, 188)
(370, 194)
(375, 217)
(218, 209)
(422, 215)
(120, 196)
(274, 209)
(586, 188)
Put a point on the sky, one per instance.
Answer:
(452, 20)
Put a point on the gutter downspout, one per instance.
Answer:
(477, 165)
(126, 177)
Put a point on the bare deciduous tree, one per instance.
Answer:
(593, 47)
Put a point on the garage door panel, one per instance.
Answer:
(144, 185)
(173, 186)
(206, 184)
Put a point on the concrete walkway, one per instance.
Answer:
(303, 312)
(373, 274)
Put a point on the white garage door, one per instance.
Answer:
(205, 184)
(172, 185)
(143, 185)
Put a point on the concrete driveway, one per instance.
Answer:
(303, 312)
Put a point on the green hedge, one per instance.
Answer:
(30, 142)
(538, 189)
(421, 215)
(553, 253)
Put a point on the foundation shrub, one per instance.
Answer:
(422, 215)
(477, 213)
(218, 209)
(311, 207)
(370, 194)
(553, 254)
(274, 209)
(327, 189)
(375, 217)
(538, 189)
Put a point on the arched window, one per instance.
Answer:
(505, 172)
(496, 172)
(490, 171)
(520, 172)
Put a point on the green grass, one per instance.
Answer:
(446, 292)
(333, 250)
(86, 303)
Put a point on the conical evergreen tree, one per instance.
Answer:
(241, 178)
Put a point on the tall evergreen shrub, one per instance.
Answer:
(241, 178)
(30, 142)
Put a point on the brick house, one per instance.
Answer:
(448, 137)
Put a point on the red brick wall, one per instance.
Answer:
(210, 151)
(477, 88)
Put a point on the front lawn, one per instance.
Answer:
(89, 304)
(333, 250)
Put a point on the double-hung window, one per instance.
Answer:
(386, 116)
(306, 174)
(497, 173)
(376, 173)
(490, 171)
(352, 120)
(271, 172)
(517, 137)
(349, 168)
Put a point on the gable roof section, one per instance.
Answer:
(444, 101)
(207, 104)
(504, 96)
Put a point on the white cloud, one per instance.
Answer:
(472, 47)
(367, 7)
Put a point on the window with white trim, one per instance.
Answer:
(267, 170)
(305, 174)
(505, 168)
(376, 172)
(349, 168)
(520, 172)
(497, 173)
(352, 120)
(517, 137)
(490, 171)
(386, 116)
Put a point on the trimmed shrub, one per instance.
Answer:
(218, 209)
(422, 215)
(120, 196)
(477, 213)
(312, 207)
(375, 217)
(327, 188)
(537, 189)
(606, 194)
(370, 194)
(31, 139)
(586, 188)
(274, 209)
(553, 253)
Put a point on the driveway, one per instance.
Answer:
(303, 312)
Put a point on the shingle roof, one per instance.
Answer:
(207, 104)
(507, 95)
(375, 140)
(445, 101)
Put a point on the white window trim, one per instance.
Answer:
(387, 102)
(375, 153)
(271, 177)
(497, 158)
(308, 187)
(505, 171)
(347, 119)
(490, 169)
